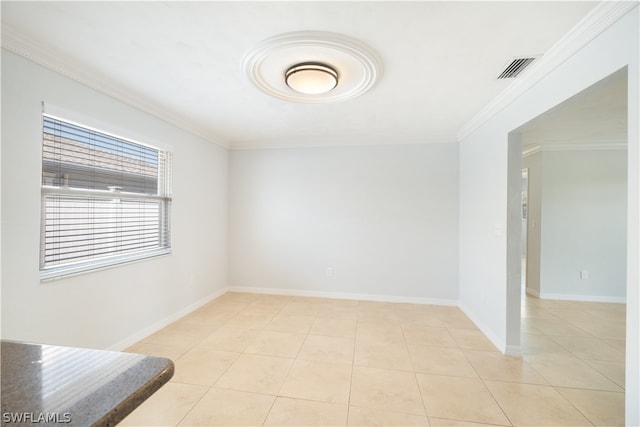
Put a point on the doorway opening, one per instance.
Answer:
(566, 260)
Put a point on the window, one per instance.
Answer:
(105, 200)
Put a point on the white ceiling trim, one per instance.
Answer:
(531, 151)
(17, 43)
(603, 16)
(596, 146)
(319, 142)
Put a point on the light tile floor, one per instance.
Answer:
(248, 359)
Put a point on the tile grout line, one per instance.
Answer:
(482, 380)
(395, 307)
(622, 387)
(415, 374)
(226, 369)
(574, 406)
(193, 406)
(353, 361)
(572, 354)
(204, 394)
(286, 376)
(221, 375)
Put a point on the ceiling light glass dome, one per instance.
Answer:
(311, 78)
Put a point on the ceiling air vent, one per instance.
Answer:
(515, 67)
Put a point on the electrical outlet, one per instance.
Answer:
(584, 275)
(329, 271)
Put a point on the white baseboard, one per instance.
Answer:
(533, 293)
(341, 295)
(584, 298)
(500, 344)
(143, 333)
(513, 350)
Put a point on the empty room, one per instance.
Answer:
(320, 213)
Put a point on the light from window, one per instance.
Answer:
(105, 200)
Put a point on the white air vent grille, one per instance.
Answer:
(515, 67)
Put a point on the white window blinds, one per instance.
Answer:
(105, 200)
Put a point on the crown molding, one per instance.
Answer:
(531, 151)
(14, 41)
(337, 142)
(603, 16)
(587, 146)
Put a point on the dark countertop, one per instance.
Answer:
(52, 385)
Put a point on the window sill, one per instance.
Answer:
(57, 273)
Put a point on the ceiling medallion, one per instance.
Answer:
(312, 67)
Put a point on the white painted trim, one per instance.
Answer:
(533, 293)
(353, 141)
(531, 151)
(18, 43)
(594, 146)
(586, 298)
(513, 350)
(341, 295)
(151, 329)
(587, 146)
(603, 16)
(495, 340)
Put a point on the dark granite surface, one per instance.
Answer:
(51, 385)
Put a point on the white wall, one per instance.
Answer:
(109, 308)
(584, 225)
(383, 218)
(483, 191)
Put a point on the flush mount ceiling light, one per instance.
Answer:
(311, 78)
(312, 67)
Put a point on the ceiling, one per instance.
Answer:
(182, 61)
(596, 116)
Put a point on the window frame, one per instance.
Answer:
(49, 271)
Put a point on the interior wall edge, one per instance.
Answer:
(500, 344)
